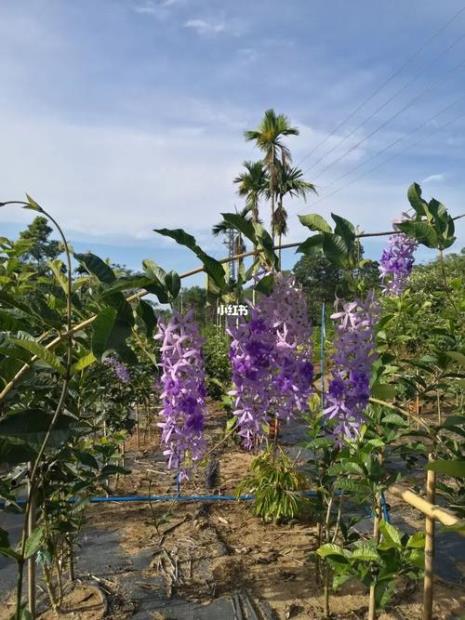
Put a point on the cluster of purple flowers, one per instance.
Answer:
(349, 388)
(396, 263)
(121, 371)
(270, 357)
(183, 392)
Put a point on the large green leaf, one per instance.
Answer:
(34, 542)
(423, 232)
(311, 245)
(390, 533)
(102, 329)
(214, 268)
(332, 550)
(41, 352)
(242, 224)
(147, 314)
(415, 199)
(97, 267)
(335, 250)
(344, 229)
(30, 426)
(315, 222)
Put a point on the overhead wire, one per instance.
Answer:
(387, 81)
(383, 105)
(390, 119)
(387, 160)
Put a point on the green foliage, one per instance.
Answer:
(217, 367)
(379, 564)
(277, 486)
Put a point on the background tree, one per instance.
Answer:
(252, 183)
(42, 248)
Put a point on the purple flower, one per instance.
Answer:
(183, 392)
(396, 263)
(349, 389)
(121, 371)
(270, 359)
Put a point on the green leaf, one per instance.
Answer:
(34, 542)
(335, 249)
(365, 552)
(147, 314)
(383, 391)
(315, 222)
(30, 425)
(102, 330)
(213, 268)
(41, 352)
(391, 533)
(311, 245)
(32, 204)
(242, 224)
(83, 362)
(97, 267)
(423, 232)
(55, 266)
(332, 550)
(344, 229)
(173, 283)
(416, 541)
(415, 199)
(455, 468)
(395, 419)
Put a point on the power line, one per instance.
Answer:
(384, 84)
(397, 141)
(370, 170)
(388, 120)
(383, 105)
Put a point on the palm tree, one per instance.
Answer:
(291, 183)
(268, 139)
(252, 184)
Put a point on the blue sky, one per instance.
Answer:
(121, 116)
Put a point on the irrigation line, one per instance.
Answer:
(142, 293)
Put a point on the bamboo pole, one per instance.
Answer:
(31, 562)
(428, 584)
(429, 509)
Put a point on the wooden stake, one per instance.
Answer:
(429, 547)
(376, 532)
(31, 562)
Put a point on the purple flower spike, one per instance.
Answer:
(271, 360)
(349, 389)
(121, 371)
(396, 263)
(183, 393)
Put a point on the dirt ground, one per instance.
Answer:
(206, 550)
(199, 552)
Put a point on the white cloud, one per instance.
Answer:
(204, 27)
(435, 178)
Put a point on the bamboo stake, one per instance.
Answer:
(31, 562)
(376, 533)
(442, 515)
(428, 586)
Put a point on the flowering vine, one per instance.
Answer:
(396, 263)
(120, 370)
(349, 388)
(183, 392)
(270, 358)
